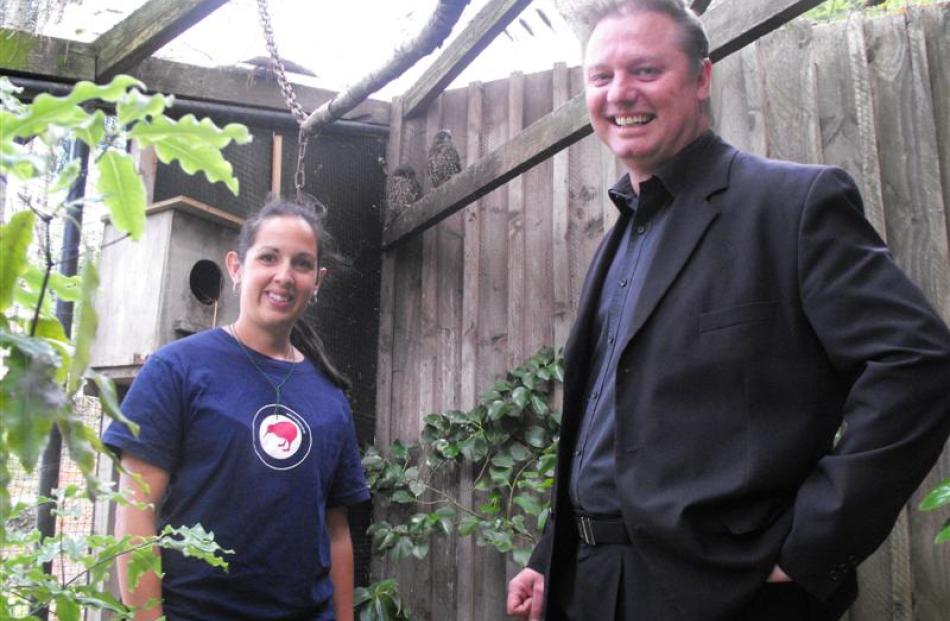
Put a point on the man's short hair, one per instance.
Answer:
(693, 39)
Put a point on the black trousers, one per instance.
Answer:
(612, 582)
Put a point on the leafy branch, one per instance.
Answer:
(509, 439)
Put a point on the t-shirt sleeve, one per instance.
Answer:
(349, 483)
(154, 401)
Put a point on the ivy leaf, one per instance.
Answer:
(420, 549)
(84, 330)
(497, 409)
(15, 238)
(536, 436)
(938, 497)
(944, 535)
(417, 487)
(123, 192)
(521, 556)
(196, 145)
(528, 503)
(520, 396)
(402, 497)
(502, 461)
(519, 452)
(539, 405)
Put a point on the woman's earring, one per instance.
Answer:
(313, 298)
(234, 286)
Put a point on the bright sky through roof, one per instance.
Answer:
(339, 40)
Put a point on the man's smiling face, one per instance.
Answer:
(644, 95)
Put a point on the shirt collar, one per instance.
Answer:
(670, 178)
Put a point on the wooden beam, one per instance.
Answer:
(482, 30)
(733, 25)
(728, 25)
(145, 31)
(535, 144)
(699, 6)
(25, 53)
(243, 87)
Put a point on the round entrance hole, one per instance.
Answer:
(205, 281)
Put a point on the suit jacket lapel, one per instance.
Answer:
(691, 215)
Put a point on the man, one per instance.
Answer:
(753, 389)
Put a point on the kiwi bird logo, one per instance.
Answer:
(443, 160)
(286, 431)
(282, 438)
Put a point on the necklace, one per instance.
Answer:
(276, 387)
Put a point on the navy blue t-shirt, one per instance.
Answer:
(259, 476)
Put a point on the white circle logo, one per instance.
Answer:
(281, 437)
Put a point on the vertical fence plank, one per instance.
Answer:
(936, 24)
(914, 211)
(789, 92)
(561, 239)
(493, 317)
(516, 232)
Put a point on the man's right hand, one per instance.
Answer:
(526, 595)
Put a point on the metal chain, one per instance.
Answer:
(289, 96)
(285, 87)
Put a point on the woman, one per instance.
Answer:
(246, 430)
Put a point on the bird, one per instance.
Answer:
(402, 189)
(443, 160)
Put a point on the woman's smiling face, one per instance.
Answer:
(278, 274)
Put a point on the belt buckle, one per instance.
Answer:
(586, 531)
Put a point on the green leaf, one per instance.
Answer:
(938, 497)
(85, 324)
(536, 436)
(112, 92)
(67, 609)
(136, 106)
(44, 112)
(15, 238)
(398, 450)
(123, 192)
(66, 177)
(539, 405)
(520, 396)
(519, 452)
(497, 409)
(521, 556)
(420, 550)
(402, 497)
(502, 461)
(17, 159)
(196, 146)
(142, 561)
(92, 130)
(944, 535)
(529, 504)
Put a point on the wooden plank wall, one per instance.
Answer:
(493, 283)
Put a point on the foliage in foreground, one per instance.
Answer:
(939, 497)
(41, 368)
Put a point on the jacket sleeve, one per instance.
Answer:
(891, 348)
(541, 556)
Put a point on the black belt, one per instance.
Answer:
(595, 531)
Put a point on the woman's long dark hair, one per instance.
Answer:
(303, 336)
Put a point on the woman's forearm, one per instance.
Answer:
(139, 523)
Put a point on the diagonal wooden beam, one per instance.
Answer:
(145, 31)
(482, 30)
(700, 6)
(730, 26)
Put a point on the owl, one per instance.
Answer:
(402, 189)
(443, 160)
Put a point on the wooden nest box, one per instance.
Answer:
(171, 283)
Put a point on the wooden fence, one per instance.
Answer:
(491, 284)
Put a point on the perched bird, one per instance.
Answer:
(402, 189)
(443, 160)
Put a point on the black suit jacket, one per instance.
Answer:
(772, 313)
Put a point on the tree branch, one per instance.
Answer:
(436, 30)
